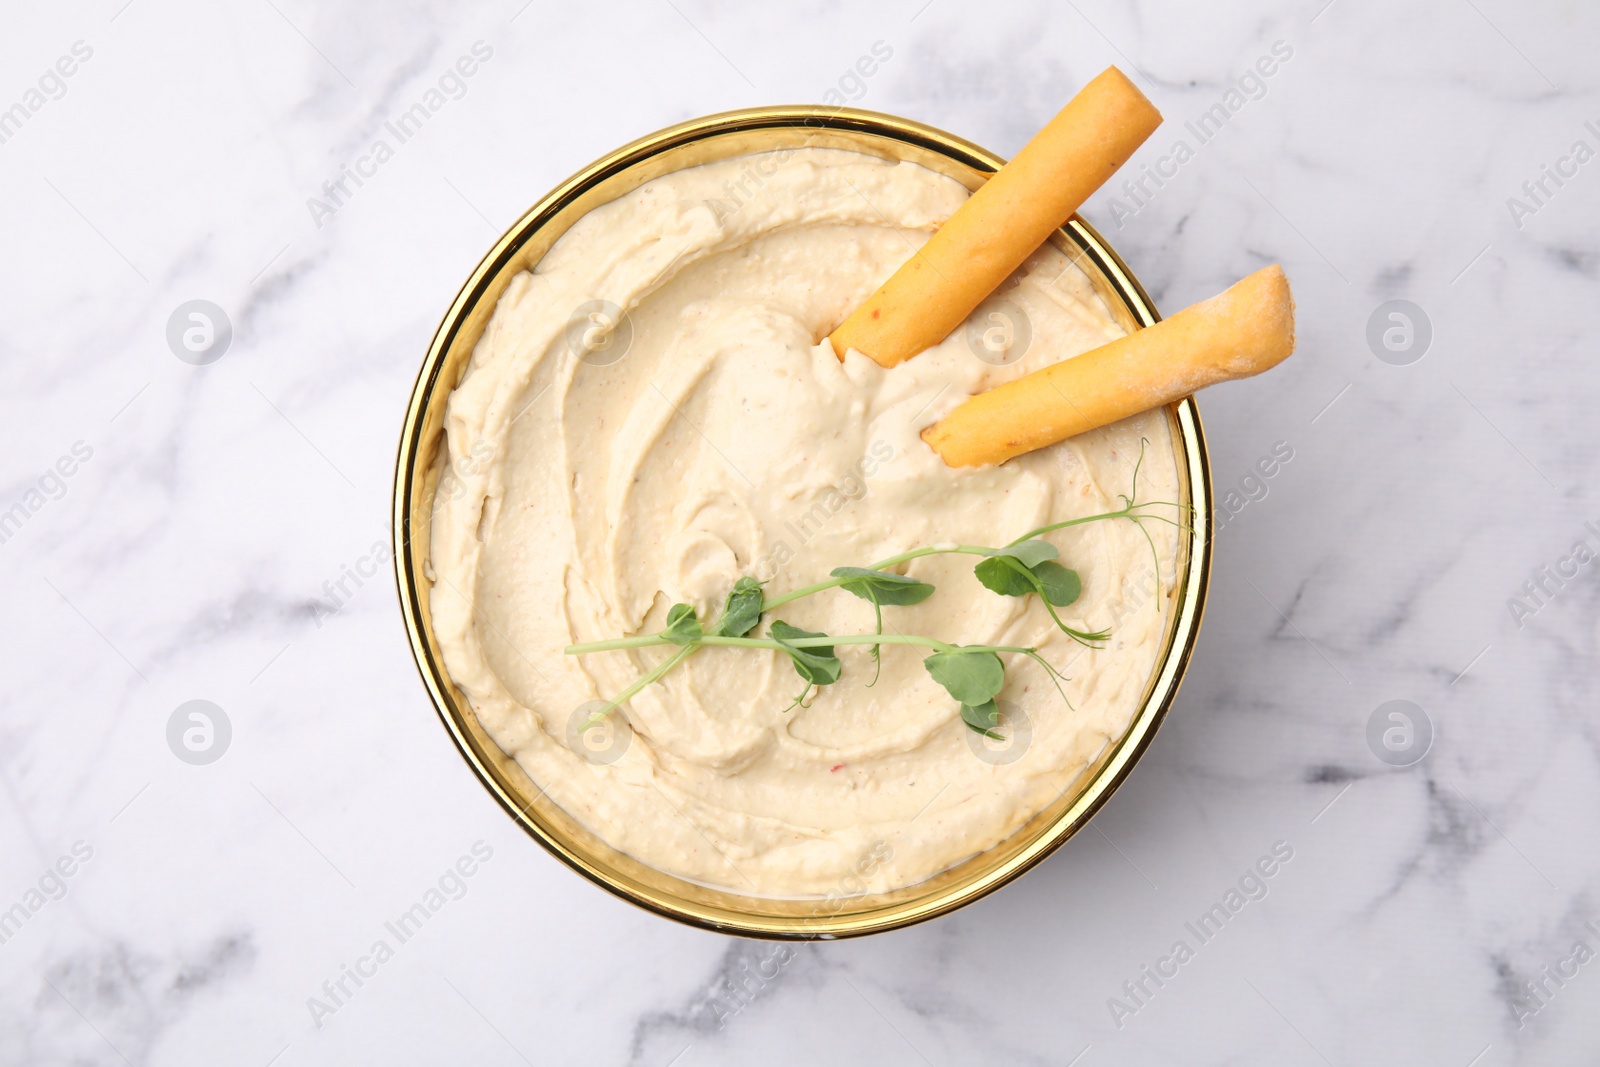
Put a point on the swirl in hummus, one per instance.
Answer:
(581, 497)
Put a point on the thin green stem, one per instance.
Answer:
(639, 683)
(882, 564)
(825, 641)
(1130, 511)
(666, 665)
(642, 641)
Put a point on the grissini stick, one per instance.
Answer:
(1002, 223)
(1241, 332)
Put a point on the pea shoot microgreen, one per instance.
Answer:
(973, 675)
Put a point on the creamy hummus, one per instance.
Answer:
(709, 436)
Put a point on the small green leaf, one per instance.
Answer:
(971, 677)
(1030, 553)
(817, 664)
(983, 718)
(682, 627)
(1010, 571)
(1005, 575)
(1059, 585)
(881, 587)
(1010, 576)
(742, 611)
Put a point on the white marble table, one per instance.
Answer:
(191, 532)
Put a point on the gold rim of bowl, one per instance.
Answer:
(847, 912)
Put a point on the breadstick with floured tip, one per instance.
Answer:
(1239, 333)
(990, 235)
